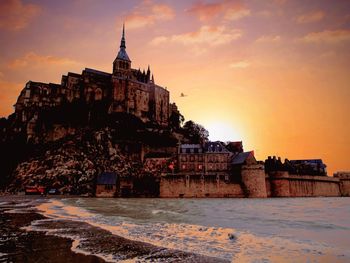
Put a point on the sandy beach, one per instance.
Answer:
(19, 245)
(48, 241)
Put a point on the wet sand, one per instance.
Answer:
(18, 245)
(54, 240)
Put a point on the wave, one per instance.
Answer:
(214, 241)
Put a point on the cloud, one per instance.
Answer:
(159, 40)
(230, 10)
(16, 15)
(148, 13)
(327, 36)
(34, 59)
(268, 39)
(236, 13)
(310, 17)
(206, 11)
(206, 35)
(239, 64)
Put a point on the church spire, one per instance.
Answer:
(122, 55)
(122, 41)
(122, 61)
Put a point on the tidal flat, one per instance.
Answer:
(75, 229)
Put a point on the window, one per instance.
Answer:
(98, 94)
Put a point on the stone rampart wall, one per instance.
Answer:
(172, 186)
(344, 185)
(285, 185)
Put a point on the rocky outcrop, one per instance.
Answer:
(73, 163)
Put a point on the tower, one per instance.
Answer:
(122, 62)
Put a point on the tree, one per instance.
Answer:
(176, 119)
(196, 133)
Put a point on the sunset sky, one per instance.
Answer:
(273, 73)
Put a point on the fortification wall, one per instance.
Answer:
(344, 182)
(285, 185)
(280, 184)
(268, 186)
(172, 186)
(344, 186)
(253, 180)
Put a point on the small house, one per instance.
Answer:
(106, 184)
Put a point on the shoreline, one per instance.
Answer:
(29, 236)
(19, 245)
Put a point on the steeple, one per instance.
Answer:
(122, 41)
(122, 61)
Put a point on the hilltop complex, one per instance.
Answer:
(126, 90)
(117, 134)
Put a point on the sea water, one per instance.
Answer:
(239, 230)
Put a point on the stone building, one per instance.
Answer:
(217, 157)
(106, 185)
(124, 90)
(191, 158)
(212, 158)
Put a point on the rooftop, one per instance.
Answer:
(107, 178)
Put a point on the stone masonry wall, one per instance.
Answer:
(198, 186)
(280, 184)
(253, 179)
(285, 185)
(345, 187)
(313, 186)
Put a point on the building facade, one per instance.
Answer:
(212, 158)
(124, 90)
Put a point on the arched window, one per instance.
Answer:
(98, 94)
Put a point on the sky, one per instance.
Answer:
(274, 74)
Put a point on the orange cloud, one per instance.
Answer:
(207, 35)
(239, 64)
(327, 36)
(235, 13)
(228, 9)
(16, 15)
(34, 59)
(205, 11)
(148, 13)
(268, 39)
(310, 17)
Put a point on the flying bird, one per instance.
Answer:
(182, 95)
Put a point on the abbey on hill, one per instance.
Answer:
(115, 134)
(125, 90)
